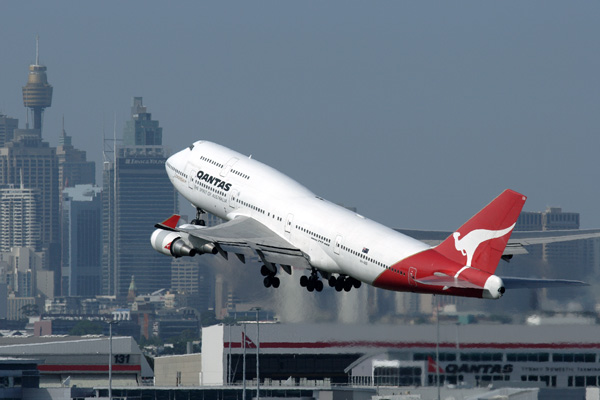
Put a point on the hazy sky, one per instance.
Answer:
(417, 113)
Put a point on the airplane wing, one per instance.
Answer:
(244, 233)
(518, 240)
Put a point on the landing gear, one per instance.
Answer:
(270, 278)
(312, 282)
(198, 220)
(345, 283)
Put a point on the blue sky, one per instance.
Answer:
(416, 113)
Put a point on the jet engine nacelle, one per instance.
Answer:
(172, 244)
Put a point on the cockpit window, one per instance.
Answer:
(191, 146)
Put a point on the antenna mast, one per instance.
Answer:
(115, 210)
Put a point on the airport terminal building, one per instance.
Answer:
(557, 356)
(78, 361)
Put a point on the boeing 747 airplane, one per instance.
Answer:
(286, 225)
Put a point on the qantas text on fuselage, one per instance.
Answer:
(286, 225)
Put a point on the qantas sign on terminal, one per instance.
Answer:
(286, 226)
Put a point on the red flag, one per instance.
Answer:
(249, 344)
(432, 366)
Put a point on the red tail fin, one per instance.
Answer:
(480, 242)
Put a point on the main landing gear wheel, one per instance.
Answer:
(344, 283)
(270, 278)
(332, 281)
(264, 271)
(318, 285)
(312, 282)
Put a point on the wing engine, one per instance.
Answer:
(174, 244)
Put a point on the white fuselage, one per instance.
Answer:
(336, 240)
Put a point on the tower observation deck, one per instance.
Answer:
(37, 93)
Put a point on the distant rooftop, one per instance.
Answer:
(83, 192)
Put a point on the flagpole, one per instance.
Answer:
(437, 345)
(257, 309)
(244, 363)
(229, 380)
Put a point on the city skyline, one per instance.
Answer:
(429, 112)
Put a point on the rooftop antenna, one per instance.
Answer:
(109, 154)
(104, 141)
(116, 207)
(37, 49)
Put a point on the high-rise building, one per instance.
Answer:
(29, 157)
(141, 130)
(137, 194)
(551, 220)
(7, 126)
(19, 226)
(73, 167)
(23, 264)
(37, 93)
(82, 241)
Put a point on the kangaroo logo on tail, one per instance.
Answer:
(468, 244)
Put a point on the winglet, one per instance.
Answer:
(170, 223)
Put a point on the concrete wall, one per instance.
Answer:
(181, 370)
(213, 357)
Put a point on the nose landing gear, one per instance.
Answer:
(198, 220)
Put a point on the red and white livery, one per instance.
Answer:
(286, 225)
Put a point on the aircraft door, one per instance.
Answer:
(228, 166)
(288, 223)
(337, 245)
(412, 275)
(191, 175)
(233, 198)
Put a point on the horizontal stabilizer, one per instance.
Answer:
(447, 281)
(532, 283)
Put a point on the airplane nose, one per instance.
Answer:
(174, 160)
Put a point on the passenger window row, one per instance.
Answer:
(364, 256)
(208, 160)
